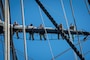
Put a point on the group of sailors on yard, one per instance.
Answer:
(42, 34)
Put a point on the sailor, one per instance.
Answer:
(42, 34)
(16, 24)
(61, 29)
(72, 28)
(31, 33)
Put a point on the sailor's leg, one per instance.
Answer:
(29, 36)
(17, 35)
(32, 35)
(44, 36)
(58, 36)
(40, 36)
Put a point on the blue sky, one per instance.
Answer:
(39, 50)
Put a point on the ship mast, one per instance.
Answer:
(7, 31)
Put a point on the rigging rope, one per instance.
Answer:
(24, 33)
(66, 50)
(67, 25)
(66, 19)
(46, 34)
(62, 33)
(75, 25)
(54, 11)
(22, 54)
(70, 49)
(87, 52)
(86, 3)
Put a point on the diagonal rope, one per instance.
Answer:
(22, 54)
(62, 33)
(82, 41)
(75, 25)
(24, 32)
(67, 25)
(66, 20)
(54, 11)
(46, 34)
(66, 50)
(87, 52)
(86, 3)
